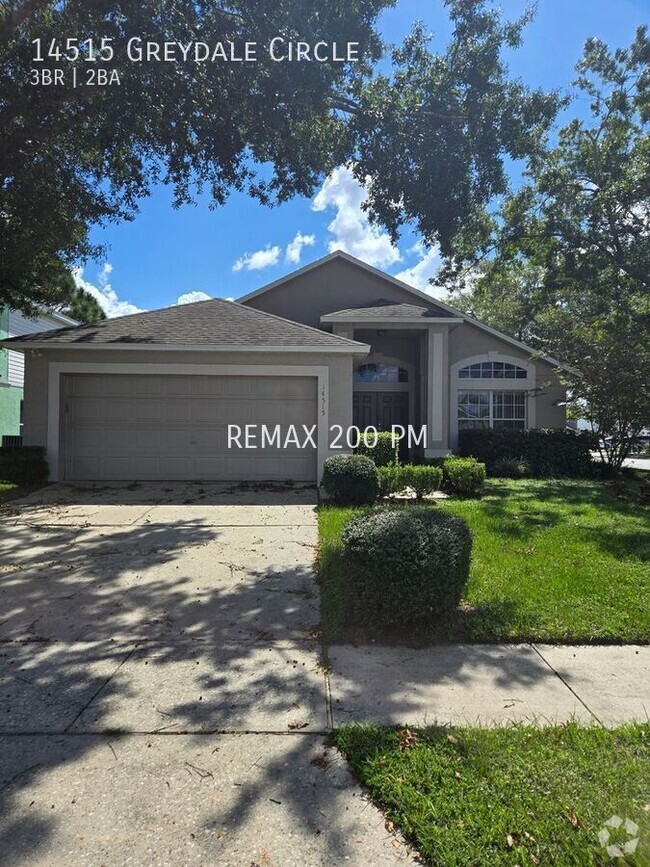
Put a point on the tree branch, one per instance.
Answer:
(14, 17)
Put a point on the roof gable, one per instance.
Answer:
(386, 288)
(256, 298)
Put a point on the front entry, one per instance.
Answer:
(380, 409)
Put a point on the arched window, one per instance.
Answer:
(379, 371)
(492, 370)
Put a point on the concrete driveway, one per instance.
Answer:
(163, 698)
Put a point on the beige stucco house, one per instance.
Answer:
(293, 367)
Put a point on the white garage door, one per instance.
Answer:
(125, 427)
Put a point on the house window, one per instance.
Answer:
(484, 409)
(492, 370)
(380, 372)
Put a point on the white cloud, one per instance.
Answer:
(258, 260)
(294, 248)
(104, 293)
(350, 227)
(191, 297)
(418, 275)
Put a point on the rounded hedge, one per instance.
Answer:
(350, 480)
(406, 565)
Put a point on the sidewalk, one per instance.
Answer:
(490, 684)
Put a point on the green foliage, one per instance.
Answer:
(384, 452)
(570, 250)
(423, 479)
(542, 552)
(506, 297)
(23, 465)
(407, 565)
(350, 480)
(75, 158)
(391, 479)
(464, 476)
(547, 453)
(433, 134)
(83, 307)
(511, 468)
(506, 795)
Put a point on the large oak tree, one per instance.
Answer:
(570, 250)
(430, 136)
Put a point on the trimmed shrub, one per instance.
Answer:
(423, 479)
(384, 453)
(511, 468)
(548, 453)
(351, 480)
(390, 479)
(463, 476)
(406, 565)
(23, 465)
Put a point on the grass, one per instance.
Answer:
(506, 796)
(556, 561)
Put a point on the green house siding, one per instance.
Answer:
(10, 396)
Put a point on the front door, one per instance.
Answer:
(380, 409)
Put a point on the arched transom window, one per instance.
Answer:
(492, 370)
(379, 371)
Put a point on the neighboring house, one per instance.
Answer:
(336, 343)
(12, 363)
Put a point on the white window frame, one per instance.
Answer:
(473, 385)
(492, 361)
(491, 419)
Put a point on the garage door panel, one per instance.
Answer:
(147, 411)
(294, 413)
(121, 427)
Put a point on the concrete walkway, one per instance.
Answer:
(490, 684)
(165, 697)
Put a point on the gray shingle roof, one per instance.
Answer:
(382, 309)
(213, 322)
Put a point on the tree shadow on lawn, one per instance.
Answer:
(159, 627)
(617, 496)
(521, 513)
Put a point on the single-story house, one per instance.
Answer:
(335, 344)
(12, 324)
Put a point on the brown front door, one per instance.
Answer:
(380, 409)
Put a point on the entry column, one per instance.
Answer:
(437, 391)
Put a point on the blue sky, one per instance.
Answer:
(167, 254)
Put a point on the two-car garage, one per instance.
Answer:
(153, 396)
(166, 427)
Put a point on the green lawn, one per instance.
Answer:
(559, 561)
(473, 797)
